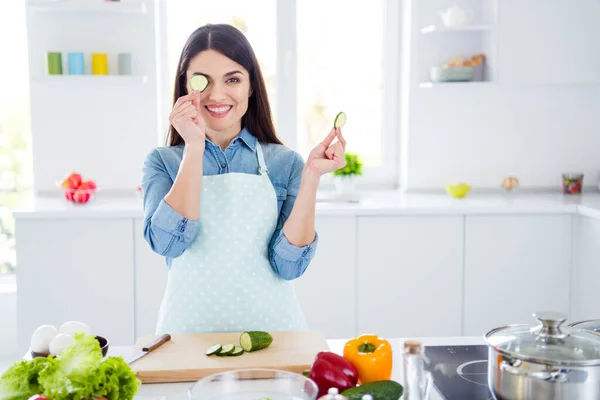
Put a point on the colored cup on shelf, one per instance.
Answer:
(124, 63)
(76, 64)
(54, 62)
(99, 64)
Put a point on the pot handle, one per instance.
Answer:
(551, 376)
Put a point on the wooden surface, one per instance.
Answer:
(183, 358)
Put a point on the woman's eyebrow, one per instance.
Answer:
(226, 75)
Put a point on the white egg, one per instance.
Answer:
(60, 342)
(41, 338)
(73, 327)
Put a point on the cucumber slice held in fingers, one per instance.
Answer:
(199, 82)
(340, 120)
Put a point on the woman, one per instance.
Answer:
(227, 204)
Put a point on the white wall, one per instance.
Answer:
(537, 118)
(483, 134)
(8, 317)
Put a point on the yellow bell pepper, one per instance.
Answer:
(372, 357)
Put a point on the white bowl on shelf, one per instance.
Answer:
(451, 74)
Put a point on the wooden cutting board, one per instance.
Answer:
(184, 359)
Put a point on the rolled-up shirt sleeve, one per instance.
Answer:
(167, 231)
(290, 261)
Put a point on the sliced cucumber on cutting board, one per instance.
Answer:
(255, 340)
(226, 350)
(249, 341)
(237, 351)
(214, 349)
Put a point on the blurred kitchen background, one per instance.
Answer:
(437, 92)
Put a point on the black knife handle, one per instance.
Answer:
(157, 343)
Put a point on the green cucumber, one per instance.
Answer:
(340, 120)
(237, 351)
(226, 350)
(255, 340)
(379, 390)
(214, 349)
(199, 82)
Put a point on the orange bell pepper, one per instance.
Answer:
(372, 357)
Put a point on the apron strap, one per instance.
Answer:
(262, 166)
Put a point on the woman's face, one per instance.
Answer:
(225, 100)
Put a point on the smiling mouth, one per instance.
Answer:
(221, 110)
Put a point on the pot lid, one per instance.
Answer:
(590, 325)
(547, 342)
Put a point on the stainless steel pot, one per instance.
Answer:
(543, 362)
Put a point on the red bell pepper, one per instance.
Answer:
(332, 370)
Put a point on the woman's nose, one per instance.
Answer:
(217, 92)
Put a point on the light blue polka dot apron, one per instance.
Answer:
(224, 281)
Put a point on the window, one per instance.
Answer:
(340, 68)
(16, 176)
(318, 58)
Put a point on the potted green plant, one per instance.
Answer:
(345, 178)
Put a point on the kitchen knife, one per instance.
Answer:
(155, 344)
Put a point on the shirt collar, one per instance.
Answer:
(249, 139)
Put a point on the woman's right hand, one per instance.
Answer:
(186, 118)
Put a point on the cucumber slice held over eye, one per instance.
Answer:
(199, 82)
(340, 120)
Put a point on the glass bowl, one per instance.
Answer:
(78, 195)
(254, 383)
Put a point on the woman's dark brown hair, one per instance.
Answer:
(232, 43)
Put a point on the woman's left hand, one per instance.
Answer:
(327, 157)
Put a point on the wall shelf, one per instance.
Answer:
(87, 6)
(432, 29)
(137, 79)
(434, 85)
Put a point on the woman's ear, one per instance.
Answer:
(250, 92)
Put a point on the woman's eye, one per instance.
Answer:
(233, 80)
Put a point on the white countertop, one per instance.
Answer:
(371, 203)
(178, 391)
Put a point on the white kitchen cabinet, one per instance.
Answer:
(79, 269)
(548, 42)
(327, 290)
(150, 283)
(410, 275)
(515, 265)
(586, 270)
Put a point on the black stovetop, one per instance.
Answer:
(459, 372)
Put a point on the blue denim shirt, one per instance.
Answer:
(169, 233)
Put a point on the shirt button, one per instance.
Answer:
(223, 165)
